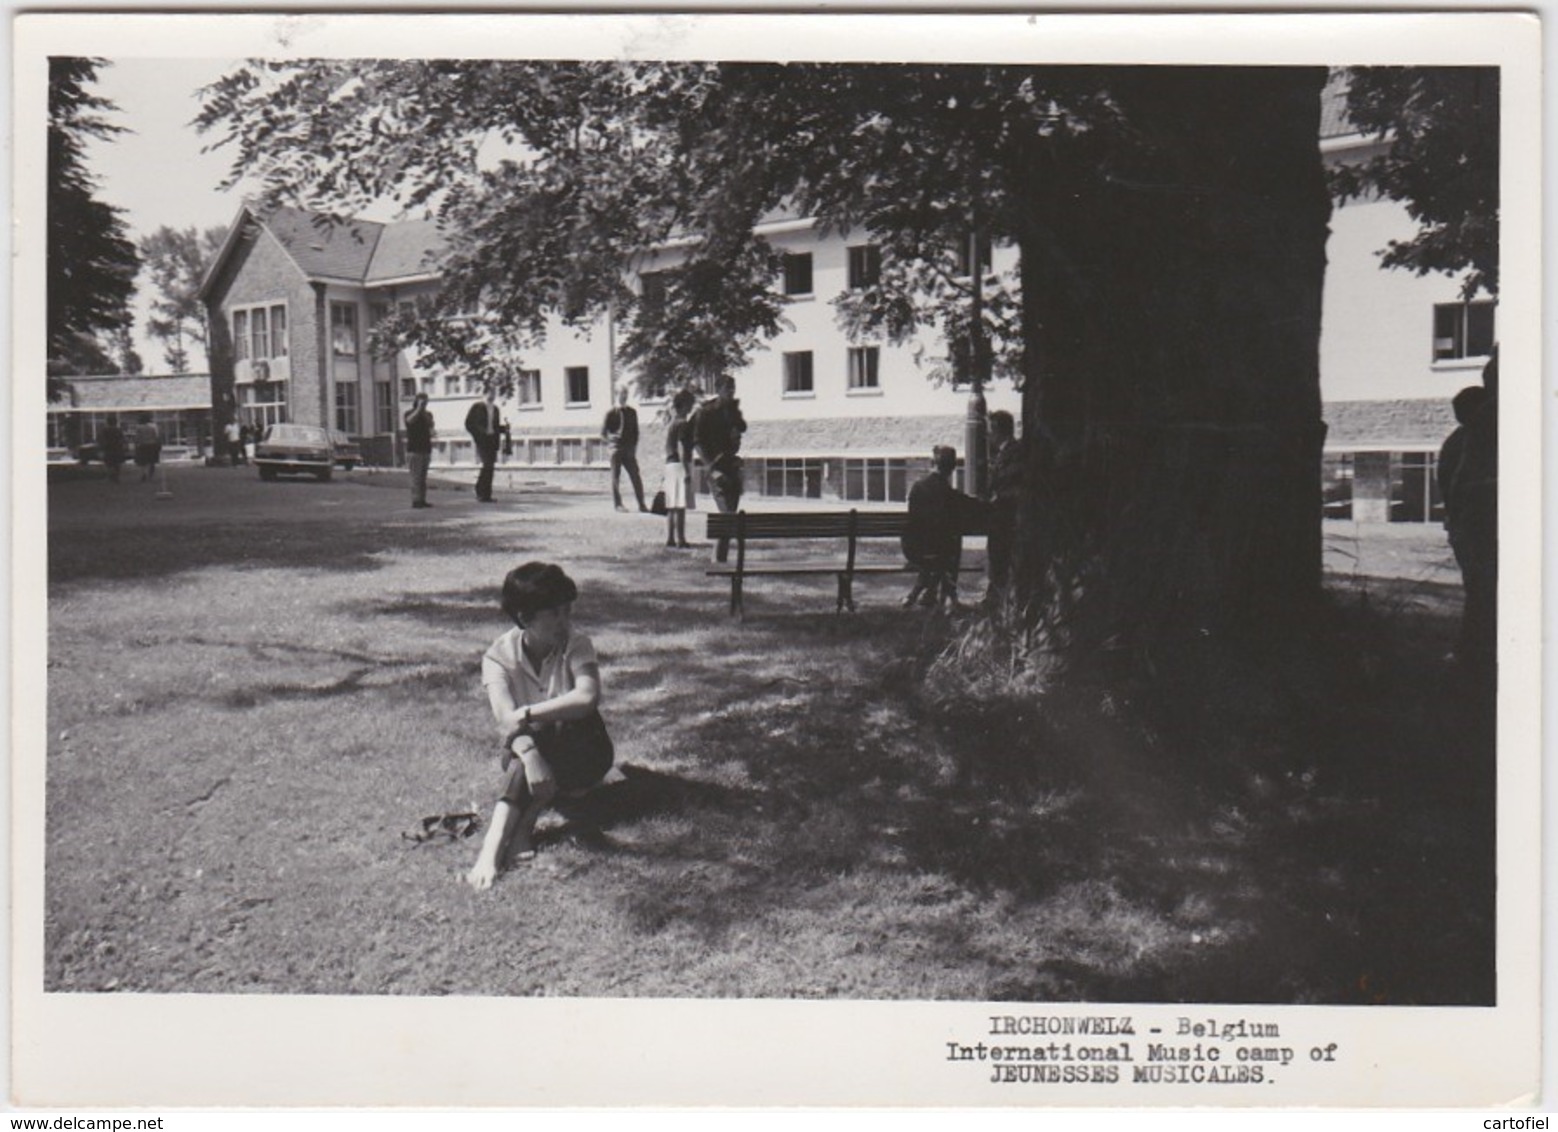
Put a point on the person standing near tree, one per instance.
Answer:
(485, 424)
(419, 448)
(621, 432)
(678, 471)
(1006, 483)
(1468, 470)
(717, 426)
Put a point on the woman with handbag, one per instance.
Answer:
(543, 683)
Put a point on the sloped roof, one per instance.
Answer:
(1334, 122)
(410, 247)
(1404, 424)
(321, 246)
(117, 392)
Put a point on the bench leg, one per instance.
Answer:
(735, 596)
(846, 593)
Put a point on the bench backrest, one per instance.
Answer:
(806, 524)
(780, 525)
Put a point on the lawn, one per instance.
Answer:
(247, 715)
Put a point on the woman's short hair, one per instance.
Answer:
(534, 588)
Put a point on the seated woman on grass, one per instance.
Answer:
(543, 682)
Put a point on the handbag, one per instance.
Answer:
(657, 505)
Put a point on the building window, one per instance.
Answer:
(343, 330)
(862, 367)
(1336, 476)
(865, 266)
(543, 452)
(876, 481)
(793, 478)
(278, 332)
(259, 333)
(1463, 330)
(570, 450)
(346, 406)
(527, 387)
(797, 274)
(797, 374)
(578, 378)
(241, 335)
(408, 388)
(384, 407)
(1414, 488)
(430, 386)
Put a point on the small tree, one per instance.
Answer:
(176, 260)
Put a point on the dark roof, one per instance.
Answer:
(1334, 122)
(322, 246)
(364, 251)
(173, 391)
(410, 247)
(1420, 423)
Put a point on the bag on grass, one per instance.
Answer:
(657, 505)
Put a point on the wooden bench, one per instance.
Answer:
(850, 527)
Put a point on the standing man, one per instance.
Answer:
(1006, 481)
(1468, 470)
(419, 448)
(621, 432)
(234, 434)
(485, 424)
(716, 428)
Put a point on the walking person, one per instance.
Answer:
(621, 433)
(717, 425)
(678, 471)
(148, 447)
(233, 434)
(485, 424)
(110, 441)
(419, 448)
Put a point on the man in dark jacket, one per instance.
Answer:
(621, 432)
(933, 535)
(419, 448)
(485, 424)
(717, 426)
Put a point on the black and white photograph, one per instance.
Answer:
(864, 559)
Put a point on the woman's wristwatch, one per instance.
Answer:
(524, 718)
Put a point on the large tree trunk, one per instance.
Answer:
(1173, 311)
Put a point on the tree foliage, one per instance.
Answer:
(91, 261)
(1442, 163)
(176, 259)
(1164, 317)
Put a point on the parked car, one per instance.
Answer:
(347, 454)
(291, 448)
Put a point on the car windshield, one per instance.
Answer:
(295, 434)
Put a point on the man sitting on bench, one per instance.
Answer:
(933, 536)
